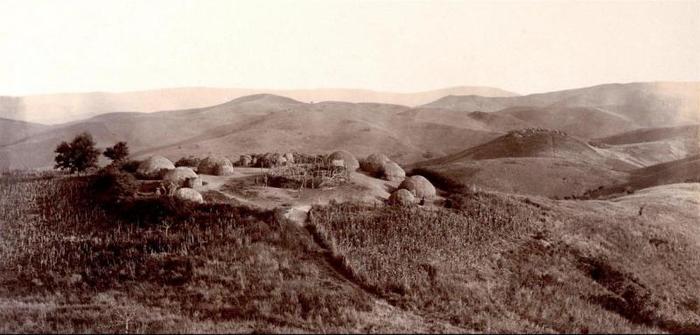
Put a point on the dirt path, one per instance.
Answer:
(294, 205)
(384, 317)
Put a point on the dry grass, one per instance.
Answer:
(498, 263)
(490, 262)
(67, 265)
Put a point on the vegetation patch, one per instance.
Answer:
(198, 267)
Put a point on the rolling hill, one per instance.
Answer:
(653, 134)
(650, 146)
(269, 123)
(684, 170)
(551, 163)
(59, 108)
(531, 142)
(642, 104)
(12, 130)
(257, 123)
(530, 161)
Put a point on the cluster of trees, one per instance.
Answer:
(80, 154)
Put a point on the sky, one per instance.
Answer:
(526, 47)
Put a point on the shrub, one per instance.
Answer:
(117, 152)
(189, 161)
(129, 166)
(112, 184)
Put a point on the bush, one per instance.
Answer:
(112, 184)
(189, 161)
(118, 152)
(129, 166)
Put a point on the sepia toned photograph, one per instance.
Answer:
(349, 166)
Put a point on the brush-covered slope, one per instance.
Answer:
(72, 262)
(499, 263)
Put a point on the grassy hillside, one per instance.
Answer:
(651, 146)
(550, 177)
(679, 171)
(531, 161)
(526, 143)
(68, 264)
(653, 134)
(72, 259)
(498, 263)
(584, 122)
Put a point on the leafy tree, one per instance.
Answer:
(78, 155)
(118, 152)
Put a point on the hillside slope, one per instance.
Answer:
(530, 142)
(143, 130)
(684, 170)
(650, 146)
(258, 123)
(530, 161)
(502, 264)
(12, 130)
(266, 122)
(653, 134)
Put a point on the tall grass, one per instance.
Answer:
(422, 259)
(491, 263)
(195, 267)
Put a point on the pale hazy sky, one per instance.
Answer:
(67, 46)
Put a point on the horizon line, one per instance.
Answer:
(128, 91)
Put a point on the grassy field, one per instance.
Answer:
(72, 260)
(498, 263)
(67, 265)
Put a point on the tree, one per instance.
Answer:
(118, 152)
(78, 155)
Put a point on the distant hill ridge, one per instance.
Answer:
(650, 104)
(266, 122)
(59, 108)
